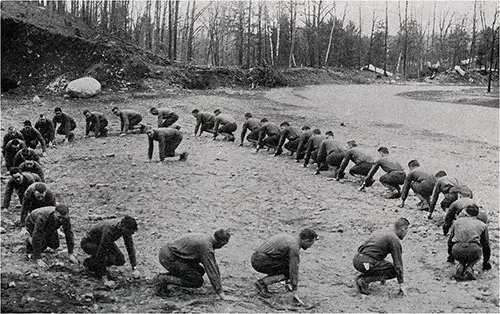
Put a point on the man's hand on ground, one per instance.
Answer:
(73, 259)
(41, 263)
(136, 273)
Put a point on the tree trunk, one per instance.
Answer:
(472, 52)
(493, 37)
(371, 39)
(191, 34)
(174, 33)
(249, 32)
(385, 38)
(405, 41)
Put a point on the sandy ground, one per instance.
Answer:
(256, 196)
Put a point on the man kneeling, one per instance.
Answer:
(183, 256)
(370, 259)
(99, 242)
(279, 257)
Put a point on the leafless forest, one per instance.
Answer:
(293, 33)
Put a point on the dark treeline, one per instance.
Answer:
(293, 33)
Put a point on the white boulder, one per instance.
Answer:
(84, 87)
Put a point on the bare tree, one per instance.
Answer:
(493, 37)
(472, 52)
(374, 20)
(385, 38)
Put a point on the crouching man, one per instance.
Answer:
(190, 256)
(99, 243)
(42, 225)
(279, 258)
(370, 259)
(168, 140)
(468, 239)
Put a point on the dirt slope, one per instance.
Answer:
(255, 195)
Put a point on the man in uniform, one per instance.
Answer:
(421, 182)
(129, 120)
(190, 256)
(279, 257)
(370, 258)
(10, 151)
(455, 210)
(33, 167)
(11, 134)
(42, 225)
(46, 128)
(32, 137)
(312, 147)
(68, 124)
(253, 125)
(289, 133)
(165, 117)
(19, 181)
(168, 140)
(362, 162)
(468, 237)
(24, 154)
(99, 243)
(451, 187)
(37, 195)
(394, 177)
(204, 122)
(95, 122)
(304, 136)
(224, 125)
(269, 135)
(330, 153)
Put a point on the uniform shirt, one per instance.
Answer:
(36, 169)
(28, 179)
(387, 163)
(249, 124)
(31, 134)
(268, 129)
(10, 136)
(201, 119)
(25, 154)
(313, 145)
(30, 202)
(162, 135)
(382, 243)
(290, 132)
(198, 248)
(46, 128)
(125, 116)
(43, 220)
(105, 234)
(303, 138)
(284, 247)
(357, 156)
(164, 113)
(66, 121)
(222, 119)
(329, 146)
(418, 176)
(444, 185)
(456, 209)
(470, 230)
(95, 119)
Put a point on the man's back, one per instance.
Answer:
(192, 246)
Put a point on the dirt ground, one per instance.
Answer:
(255, 195)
